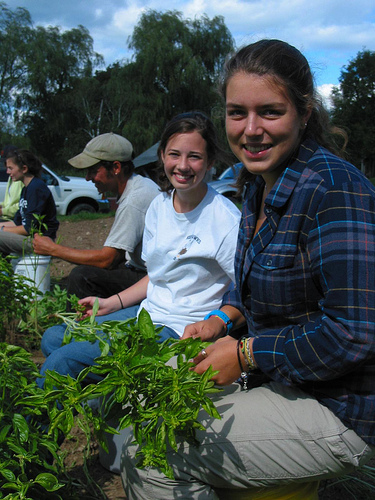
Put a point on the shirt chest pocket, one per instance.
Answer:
(275, 261)
(275, 281)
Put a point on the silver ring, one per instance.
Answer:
(204, 353)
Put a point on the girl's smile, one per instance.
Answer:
(186, 163)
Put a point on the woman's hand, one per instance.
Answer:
(222, 356)
(105, 306)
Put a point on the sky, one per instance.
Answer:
(330, 33)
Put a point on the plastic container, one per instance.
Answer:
(35, 267)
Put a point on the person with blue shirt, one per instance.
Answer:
(298, 329)
(37, 209)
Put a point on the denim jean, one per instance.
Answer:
(84, 281)
(74, 357)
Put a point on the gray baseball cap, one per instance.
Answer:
(104, 147)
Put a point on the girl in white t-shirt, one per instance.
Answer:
(188, 245)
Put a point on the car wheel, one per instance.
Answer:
(82, 207)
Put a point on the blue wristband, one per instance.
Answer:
(222, 316)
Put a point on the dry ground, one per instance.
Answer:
(82, 234)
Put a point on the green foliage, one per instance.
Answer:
(354, 106)
(177, 63)
(38, 68)
(29, 460)
(86, 216)
(46, 73)
(15, 28)
(25, 309)
(139, 387)
(16, 292)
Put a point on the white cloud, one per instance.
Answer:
(325, 92)
(329, 32)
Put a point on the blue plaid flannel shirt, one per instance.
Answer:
(306, 283)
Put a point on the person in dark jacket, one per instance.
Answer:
(37, 209)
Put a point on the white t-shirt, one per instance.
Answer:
(189, 257)
(127, 229)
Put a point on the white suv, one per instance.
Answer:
(71, 194)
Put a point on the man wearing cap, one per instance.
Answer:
(118, 265)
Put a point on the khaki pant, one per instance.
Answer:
(14, 243)
(268, 436)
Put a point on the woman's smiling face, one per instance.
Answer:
(263, 126)
(186, 161)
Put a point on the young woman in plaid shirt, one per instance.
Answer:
(299, 327)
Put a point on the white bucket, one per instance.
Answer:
(36, 268)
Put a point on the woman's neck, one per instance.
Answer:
(186, 201)
(27, 179)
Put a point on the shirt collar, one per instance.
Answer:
(285, 184)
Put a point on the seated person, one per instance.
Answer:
(118, 265)
(301, 318)
(13, 190)
(35, 200)
(189, 243)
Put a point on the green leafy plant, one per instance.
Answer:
(29, 462)
(25, 309)
(45, 312)
(16, 293)
(139, 387)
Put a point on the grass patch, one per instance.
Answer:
(85, 216)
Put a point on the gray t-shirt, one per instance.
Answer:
(127, 230)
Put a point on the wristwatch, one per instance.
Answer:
(223, 317)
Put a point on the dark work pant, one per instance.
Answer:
(84, 281)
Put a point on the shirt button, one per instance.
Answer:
(268, 211)
(269, 262)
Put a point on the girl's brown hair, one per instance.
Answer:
(23, 157)
(289, 69)
(185, 123)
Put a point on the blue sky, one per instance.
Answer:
(328, 32)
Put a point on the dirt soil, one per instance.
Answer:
(92, 234)
(82, 234)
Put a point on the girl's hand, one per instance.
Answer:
(208, 330)
(222, 356)
(88, 304)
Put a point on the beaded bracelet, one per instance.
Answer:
(245, 348)
(244, 375)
